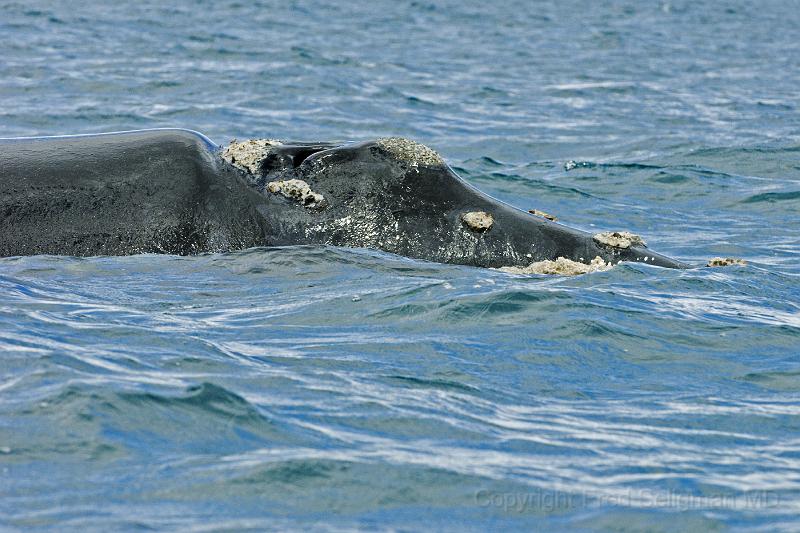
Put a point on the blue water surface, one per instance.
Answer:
(315, 388)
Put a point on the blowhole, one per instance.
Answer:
(303, 154)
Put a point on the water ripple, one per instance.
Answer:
(320, 388)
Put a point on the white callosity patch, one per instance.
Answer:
(725, 261)
(297, 190)
(619, 239)
(560, 267)
(410, 152)
(248, 155)
(479, 221)
(542, 214)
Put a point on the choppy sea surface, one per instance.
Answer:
(322, 388)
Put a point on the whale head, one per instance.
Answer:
(400, 196)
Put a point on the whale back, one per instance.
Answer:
(159, 191)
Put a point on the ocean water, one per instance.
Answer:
(319, 388)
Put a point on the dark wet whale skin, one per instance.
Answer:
(170, 191)
(121, 194)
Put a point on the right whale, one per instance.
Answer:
(175, 191)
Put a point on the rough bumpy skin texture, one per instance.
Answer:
(725, 261)
(175, 192)
(561, 267)
(479, 221)
(297, 190)
(248, 155)
(410, 151)
(542, 214)
(619, 239)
